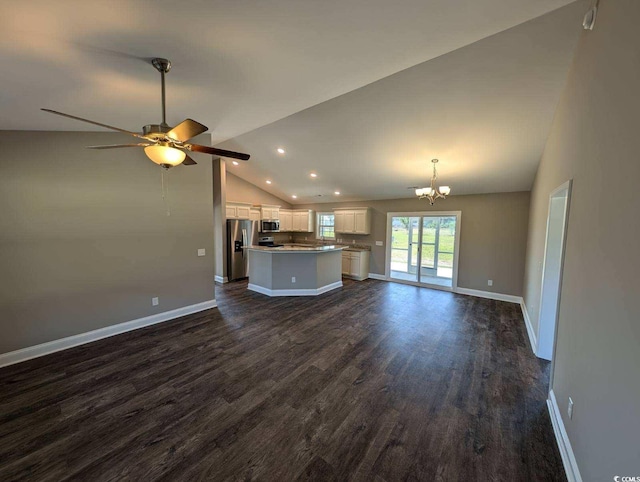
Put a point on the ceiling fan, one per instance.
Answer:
(163, 144)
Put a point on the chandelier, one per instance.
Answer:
(432, 193)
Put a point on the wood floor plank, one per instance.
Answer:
(372, 382)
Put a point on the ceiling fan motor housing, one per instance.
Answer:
(157, 129)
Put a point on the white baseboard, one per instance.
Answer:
(488, 294)
(527, 322)
(35, 351)
(381, 277)
(564, 445)
(221, 280)
(301, 292)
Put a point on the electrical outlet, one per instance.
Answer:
(570, 408)
(379, 243)
(293, 279)
(353, 241)
(201, 252)
(155, 301)
(490, 282)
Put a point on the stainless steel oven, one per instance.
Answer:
(269, 226)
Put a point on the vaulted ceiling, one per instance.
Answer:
(363, 92)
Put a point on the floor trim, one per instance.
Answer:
(381, 277)
(488, 294)
(220, 279)
(562, 438)
(301, 292)
(49, 347)
(527, 322)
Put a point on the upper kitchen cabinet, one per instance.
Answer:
(297, 220)
(286, 220)
(238, 210)
(352, 220)
(270, 212)
(254, 214)
(303, 220)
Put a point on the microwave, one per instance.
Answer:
(269, 226)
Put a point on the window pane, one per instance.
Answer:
(325, 225)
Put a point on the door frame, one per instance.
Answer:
(456, 253)
(566, 186)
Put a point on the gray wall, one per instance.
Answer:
(85, 241)
(493, 235)
(240, 190)
(595, 140)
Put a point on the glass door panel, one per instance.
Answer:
(438, 235)
(446, 246)
(405, 241)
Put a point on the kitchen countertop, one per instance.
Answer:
(296, 249)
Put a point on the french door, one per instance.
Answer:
(422, 248)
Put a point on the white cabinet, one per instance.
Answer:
(352, 220)
(286, 220)
(297, 220)
(254, 214)
(238, 210)
(355, 264)
(270, 212)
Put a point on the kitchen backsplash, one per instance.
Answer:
(299, 238)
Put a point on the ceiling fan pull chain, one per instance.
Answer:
(165, 190)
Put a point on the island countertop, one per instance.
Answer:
(296, 249)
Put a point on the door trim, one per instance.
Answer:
(564, 186)
(456, 253)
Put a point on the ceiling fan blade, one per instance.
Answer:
(188, 161)
(135, 134)
(217, 152)
(187, 129)
(114, 146)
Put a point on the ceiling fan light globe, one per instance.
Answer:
(165, 155)
(445, 190)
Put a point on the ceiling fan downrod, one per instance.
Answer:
(163, 66)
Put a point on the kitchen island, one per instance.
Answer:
(293, 270)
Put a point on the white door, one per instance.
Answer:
(552, 270)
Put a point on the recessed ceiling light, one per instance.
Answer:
(337, 193)
(235, 163)
(313, 174)
(280, 150)
(294, 196)
(268, 181)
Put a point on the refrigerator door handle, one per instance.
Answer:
(244, 240)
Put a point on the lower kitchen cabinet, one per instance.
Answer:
(355, 264)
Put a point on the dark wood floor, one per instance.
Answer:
(376, 381)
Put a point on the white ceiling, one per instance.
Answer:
(484, 110)
(238, 65)
(480, 97)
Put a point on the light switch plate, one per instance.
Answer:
(154, 301)
(379, 243)
(201, 252)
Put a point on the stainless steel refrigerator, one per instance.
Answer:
(240, 233)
